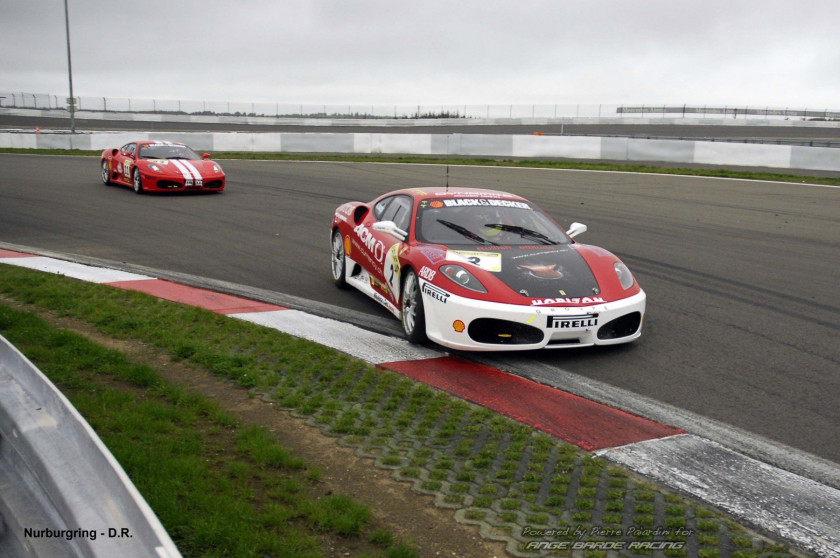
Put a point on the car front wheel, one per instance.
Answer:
(338, 260)
(137, 182)
(412, 312)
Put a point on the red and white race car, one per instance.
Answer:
(483, 270)
(161, 166)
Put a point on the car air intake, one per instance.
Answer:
(503, 332)
(621, 327)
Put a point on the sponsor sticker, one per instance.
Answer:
(572, 322)
(163, 143)
(432, 253)
(375, 246)
(435, 292)
(567, 300)
(485, 260)
(468, 202)
(427, 273)
(473, 194)
(376, 284)
(392, 269)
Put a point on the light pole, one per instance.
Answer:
(72, 101)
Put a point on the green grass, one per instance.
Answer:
(528, 163)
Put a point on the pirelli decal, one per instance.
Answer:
(436, 293)
(572, 322)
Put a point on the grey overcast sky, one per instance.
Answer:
(748, 53)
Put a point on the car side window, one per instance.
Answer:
(399, 211)
(379, 208)
(128, 149)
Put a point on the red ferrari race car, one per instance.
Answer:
(483, 270)
(161, 166)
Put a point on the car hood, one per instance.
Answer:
(535, 271)
(180, 166)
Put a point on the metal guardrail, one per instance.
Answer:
(62, 493)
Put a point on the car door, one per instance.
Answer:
(396, 209)
(125, 162)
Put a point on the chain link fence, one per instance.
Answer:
(290, 110)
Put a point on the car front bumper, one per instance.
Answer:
(475, 325)
(153, 182)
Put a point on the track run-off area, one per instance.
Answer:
(743, 315)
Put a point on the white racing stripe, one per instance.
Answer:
(188, 176)
(199, 181)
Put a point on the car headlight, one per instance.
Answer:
(216, 168)
(461, 276)
(624, 275)
(154, 167)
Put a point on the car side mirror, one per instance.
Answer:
(391, 228)
(205, 155)
(576, 229)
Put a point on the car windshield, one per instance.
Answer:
(164, 151)
(485, 221)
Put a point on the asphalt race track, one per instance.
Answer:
(743, 313)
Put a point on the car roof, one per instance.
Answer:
(161, 142)
(438, 192)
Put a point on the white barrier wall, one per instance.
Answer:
(720, 153)
(62, 493)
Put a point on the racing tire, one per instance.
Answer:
(412, 312)
(338, 260)
(137, 182)
(106, 173)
